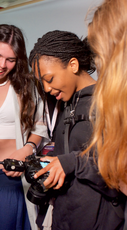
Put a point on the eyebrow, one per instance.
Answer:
(44, 75)
(13, 58)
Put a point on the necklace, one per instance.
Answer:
(4, 83)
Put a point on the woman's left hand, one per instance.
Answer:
(56, 173)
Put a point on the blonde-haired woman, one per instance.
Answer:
(107, 35)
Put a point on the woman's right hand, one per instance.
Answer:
(12, 173)
(20, 155)
(56, 173)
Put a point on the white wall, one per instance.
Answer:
(38, 18)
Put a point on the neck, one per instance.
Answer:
(84, 80)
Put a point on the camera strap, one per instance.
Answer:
(69, 121)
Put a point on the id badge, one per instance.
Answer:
(48, 148)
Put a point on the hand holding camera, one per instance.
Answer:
(37, 193)
(57, 175)
(42, 183)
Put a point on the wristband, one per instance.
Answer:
(33, 145)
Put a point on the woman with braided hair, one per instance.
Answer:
(63, 62)
(21, 128)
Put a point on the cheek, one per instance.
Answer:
(11, 66)
(59, 83)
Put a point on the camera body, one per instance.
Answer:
(33, 165)
(37, 192)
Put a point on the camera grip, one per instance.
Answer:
(13, 165)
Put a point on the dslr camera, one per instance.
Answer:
(37, 192)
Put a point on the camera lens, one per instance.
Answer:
(37, 195)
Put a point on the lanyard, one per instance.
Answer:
(52, 122)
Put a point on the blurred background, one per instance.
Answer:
(35, 18)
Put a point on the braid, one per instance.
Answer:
(64, 45)
(40, 75)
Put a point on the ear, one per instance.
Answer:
(74, 64)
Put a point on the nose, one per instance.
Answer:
(2, 62)
(47, 87)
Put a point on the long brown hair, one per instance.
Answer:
(107, 35)
(19, 78)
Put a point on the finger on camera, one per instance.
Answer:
(51, 181)
(40, 172)
(13, 174)
(60, 182)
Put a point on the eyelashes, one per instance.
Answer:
(50, 80)
(11, 60)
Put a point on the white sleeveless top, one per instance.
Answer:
(7, 117)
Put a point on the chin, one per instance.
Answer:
(65, 100)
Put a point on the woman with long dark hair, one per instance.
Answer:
(21, 127)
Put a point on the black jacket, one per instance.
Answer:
(87, 203)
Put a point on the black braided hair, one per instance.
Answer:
(63, 45)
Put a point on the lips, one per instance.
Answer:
(58, 95)
(2, 71)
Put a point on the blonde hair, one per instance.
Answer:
(107, 35)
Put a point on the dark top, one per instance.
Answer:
(87, 203)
